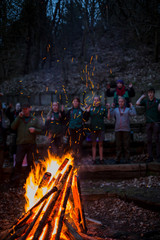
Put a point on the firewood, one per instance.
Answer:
(18, 233)
(18, 225)
(86, 237)
(44, 182)
(78, 204)
(75, 219)
(33, 222)
(63, 206)
(54, 214)
(93, 221)
(73, 232)
(51, 204)
(62, 166)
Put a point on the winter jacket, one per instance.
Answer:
(22, 125)
(121, 116)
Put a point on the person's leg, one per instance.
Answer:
(79, 137)
(1, 162)
(53, 146)
(31, 157)
(16, 174)
(156, 134)
(94, 143)
(126, 145)
(101, 150)
(149, 130)
(118, 136)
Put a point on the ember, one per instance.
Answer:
(54, 208)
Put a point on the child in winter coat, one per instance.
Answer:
(121, 91)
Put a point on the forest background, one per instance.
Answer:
(74, 45)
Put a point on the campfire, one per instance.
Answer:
(54, 207)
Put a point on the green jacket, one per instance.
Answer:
(76, 117)
(151, 108)
(97, 115)
(55, 122)
(22, 126)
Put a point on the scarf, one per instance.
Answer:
(120, 91)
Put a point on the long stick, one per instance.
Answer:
(80, 204)
(73, 232)
(62, 166)
(34, 221)
(51, 204)
(63, 208)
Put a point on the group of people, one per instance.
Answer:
(61, 124)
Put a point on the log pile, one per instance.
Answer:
(58, 214)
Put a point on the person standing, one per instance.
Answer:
(122, 128)
(12, 114)
(152, 110)
(121, 91)
(75, 118)
(97, 113)
(54, 128)
(1, 143)
(27, 127)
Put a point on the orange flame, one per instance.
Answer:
(50, 165)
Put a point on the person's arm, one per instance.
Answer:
(132, 110)
(37, 129)
(16, 122)
(86, 114)
(112, 113)
(159, 107)
(108, 111)
(138, 103)
(131, 91)
(109, 93)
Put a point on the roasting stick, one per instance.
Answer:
(51, 204)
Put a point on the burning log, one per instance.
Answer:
(78, 203)
(44, 182)
(32, 224)
(72, 231)
(51, 205)
(58, 214)
(62, 166)
(63, 207)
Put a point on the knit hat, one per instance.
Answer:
(120, 81)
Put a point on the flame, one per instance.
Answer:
(51, 165)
